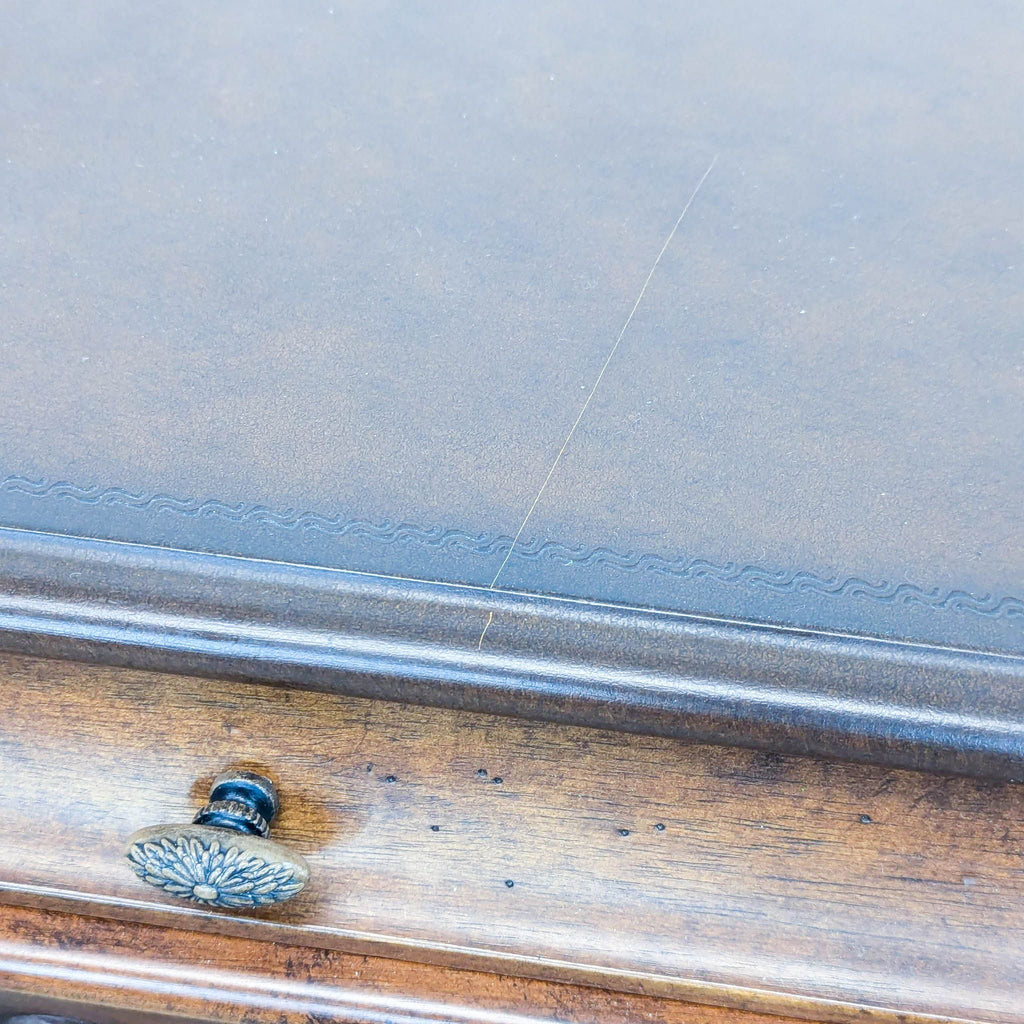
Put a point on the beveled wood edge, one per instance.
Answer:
(261, 928)
(547, 658)
(61, 963)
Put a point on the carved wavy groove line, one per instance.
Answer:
(289, 519)
(730, 574)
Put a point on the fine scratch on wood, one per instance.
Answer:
(593, 390)
(487, 626)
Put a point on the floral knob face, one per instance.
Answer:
(224, 858)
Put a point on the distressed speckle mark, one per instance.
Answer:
(660, 827)
(865, 819)
(369, 768)
(509, 883)
(435, 828)
(497, 780)
(390, 778)
(482, 772)
(623, 831)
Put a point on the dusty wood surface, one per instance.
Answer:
(114, 973)
(825, 891)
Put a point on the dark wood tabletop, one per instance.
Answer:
(706, 313)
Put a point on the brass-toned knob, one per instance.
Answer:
(224, 858)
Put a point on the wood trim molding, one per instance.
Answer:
(112, 973)
(545, 658)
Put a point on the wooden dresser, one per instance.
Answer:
(512, 512)
(454, 855)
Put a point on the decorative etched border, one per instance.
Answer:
(482, 544)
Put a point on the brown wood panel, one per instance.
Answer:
(827, 891)
(113, 973)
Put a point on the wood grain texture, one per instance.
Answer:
(113, 973)
(826, 891)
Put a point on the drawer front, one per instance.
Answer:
(633, 863)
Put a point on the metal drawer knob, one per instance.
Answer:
(224, 858)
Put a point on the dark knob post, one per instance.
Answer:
(241, 801)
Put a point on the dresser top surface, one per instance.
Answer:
(716, 311)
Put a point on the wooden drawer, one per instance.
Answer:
(642, 865)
